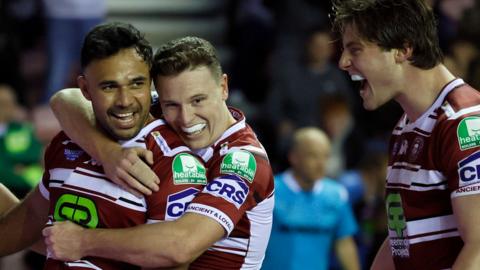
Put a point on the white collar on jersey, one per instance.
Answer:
(207, 152)
(441, 97)
(436, 104)
(293, 185)
(143, 132)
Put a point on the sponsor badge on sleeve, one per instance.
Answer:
(188, 170)
(241, 163)
(468, 132)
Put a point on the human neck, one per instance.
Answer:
(225, 122)
(304, 184)
(421, 88)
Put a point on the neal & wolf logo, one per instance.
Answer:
(241, 163)
(468, 132)
(188, 170)
(80, 210)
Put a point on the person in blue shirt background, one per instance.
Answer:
(365, 185)
(312, 214)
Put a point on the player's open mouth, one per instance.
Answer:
(195, 129)
(124, 120)
(363, 82)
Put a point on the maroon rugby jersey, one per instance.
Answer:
(78, 190)
(432, 160)
(182, 175)
(239, 196)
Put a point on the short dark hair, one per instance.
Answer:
(392, 24)
(185, 53)
(107, 39)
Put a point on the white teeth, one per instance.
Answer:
(357, 77)
(123, 115)
(194, 128)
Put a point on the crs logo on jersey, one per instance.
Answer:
(229, 187)
(177, 203)
(469, 169)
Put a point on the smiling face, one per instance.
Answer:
(193, 103)
(119, 88)
(378, 70)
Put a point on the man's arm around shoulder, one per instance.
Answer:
(161, 244)
(123, 166)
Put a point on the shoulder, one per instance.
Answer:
(248, 164)
(459, 103)
(332, 188)
(245, 139)
(245, 163)
(462, 97)
(162, 138)
(459, 110)
(239, 152)
(62, 151)
(60, 141)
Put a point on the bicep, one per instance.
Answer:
(34, 209)
(7, 199)
(467, 217)
(22, 225)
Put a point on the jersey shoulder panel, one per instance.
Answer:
(241, 154)
(462, 97)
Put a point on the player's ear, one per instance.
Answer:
(83, 84)
(224, 85)
(403, 54)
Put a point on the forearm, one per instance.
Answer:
(39, 247)
(347, 253)
(146, 245)
(467, 219)
(7, 199)
(164, 244)
(469, 257)
(383, 260)
(21, 226)
(76, 116)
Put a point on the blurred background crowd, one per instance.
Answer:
(281, 58)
